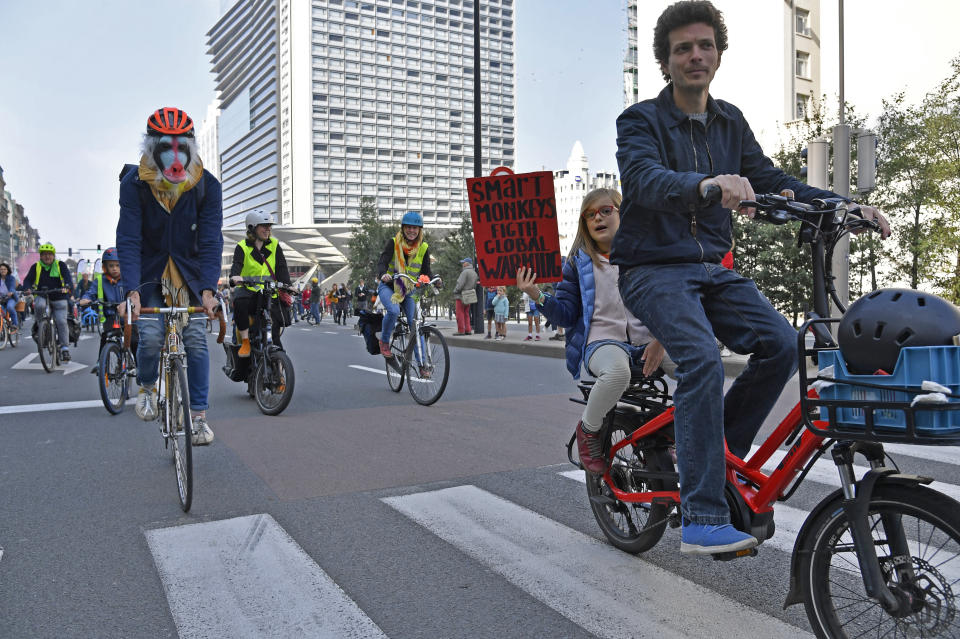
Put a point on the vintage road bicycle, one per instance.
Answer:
(173, 394)
(878, 557)
(425, 362)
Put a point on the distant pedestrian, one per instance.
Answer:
(316, 298)
(465, 296)
(488, 295)
(501, 308)
(533, 317)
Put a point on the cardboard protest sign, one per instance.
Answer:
(515, 224)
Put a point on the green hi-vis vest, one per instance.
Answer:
(36, 280)
(414, 263)
(253, 268)
(103, 313)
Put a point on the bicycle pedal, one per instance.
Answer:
(729, 556)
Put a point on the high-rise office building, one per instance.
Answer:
(326, 102)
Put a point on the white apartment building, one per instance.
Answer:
(771, 70)
(207, 139)
(325, 102)
(569, 187)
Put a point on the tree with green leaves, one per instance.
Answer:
(446, 256)
(370, 235)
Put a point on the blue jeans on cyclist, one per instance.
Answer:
(392, 310)
(59, 310)
(688, 306)
(194, 340)
(11, 307)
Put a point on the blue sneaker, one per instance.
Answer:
(706, 539)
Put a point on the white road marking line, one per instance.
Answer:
(380, 371)
(605, 591)
(28, 364)
(39, 408)
(246, 577)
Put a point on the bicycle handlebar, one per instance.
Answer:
(436, 281)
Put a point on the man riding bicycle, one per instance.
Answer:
(52, 274)
(258, 255)
(169, 242)
(406, 253)
(669, 249)
(108, 287)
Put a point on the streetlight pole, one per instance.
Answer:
(477, 148)
(841, 183)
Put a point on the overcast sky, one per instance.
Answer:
(78, 80)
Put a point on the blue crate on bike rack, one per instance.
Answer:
(940, 364)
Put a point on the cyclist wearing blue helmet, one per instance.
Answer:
(107, 287)
(405, 253)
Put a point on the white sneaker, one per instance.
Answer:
(202, 435)
(146, 408)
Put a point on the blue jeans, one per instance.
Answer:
(687, 307)
(194, 340)
(315, 311)
(392, 310)
(11, 306)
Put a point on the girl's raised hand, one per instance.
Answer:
(526, 282)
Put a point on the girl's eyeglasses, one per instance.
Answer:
(603, 211)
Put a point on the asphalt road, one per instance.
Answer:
(354, 513)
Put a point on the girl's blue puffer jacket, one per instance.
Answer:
(572, 307)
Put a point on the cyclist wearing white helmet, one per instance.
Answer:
(258, 255)
(51, 273)
(406, 253)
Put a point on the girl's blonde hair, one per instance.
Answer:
(501, 290)
(584, 240)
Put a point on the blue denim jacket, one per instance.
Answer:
(663, 156)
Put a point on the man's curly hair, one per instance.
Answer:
(681, 14)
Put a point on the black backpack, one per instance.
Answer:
(370, 324)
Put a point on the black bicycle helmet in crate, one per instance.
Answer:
(878, 325)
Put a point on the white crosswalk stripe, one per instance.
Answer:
(605, 591)
(245, 577)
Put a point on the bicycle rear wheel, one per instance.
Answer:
(112, 378)
(47, 347)
(273, 383)
(13, 336)
(829, 571)
(631, 527)
(427, 380)
(180, 431)
(395, 365)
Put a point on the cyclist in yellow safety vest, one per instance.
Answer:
(259, 255)
(406, 253)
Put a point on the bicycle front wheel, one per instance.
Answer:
(13, 336)
(180, 431)
(273, 383)
(925, 571)
(428, 372)
(47, 347)
(395, 365)
(112, 378)
(4, 333)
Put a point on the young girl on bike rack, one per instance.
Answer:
(603, 335)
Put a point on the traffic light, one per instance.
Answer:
(98, 248)
(69, 252)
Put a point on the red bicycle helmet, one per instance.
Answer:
(878, 325)
(169, 121)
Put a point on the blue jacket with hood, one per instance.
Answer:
(191, 236)
(572, 307)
